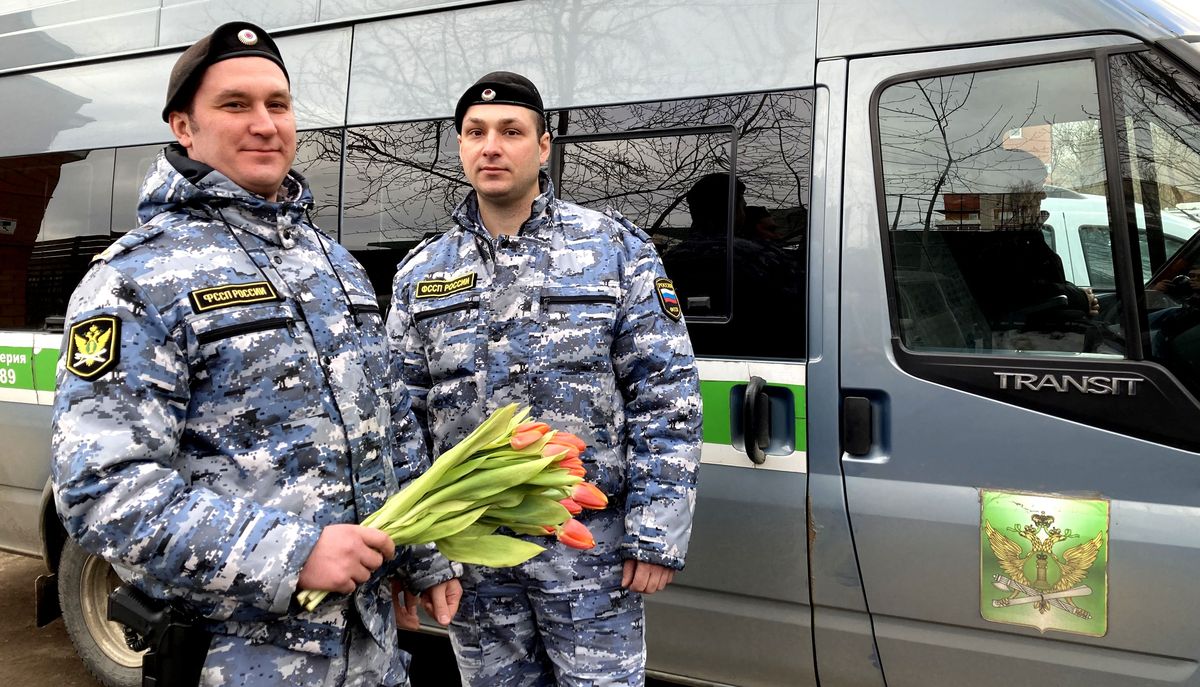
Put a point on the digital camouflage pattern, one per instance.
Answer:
(565, 317)
(248, 406)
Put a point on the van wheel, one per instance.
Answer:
(84, 582)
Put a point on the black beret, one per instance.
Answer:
(499, 88)
(235, 39)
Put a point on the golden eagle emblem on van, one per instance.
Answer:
(93, 346)
(1044, 563)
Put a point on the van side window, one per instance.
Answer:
(400, 184)
(55, 213)
(982, 226)
(129, 170)
(1159, 146)
(319, 160)
(721, 185)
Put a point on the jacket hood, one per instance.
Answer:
(176, 182)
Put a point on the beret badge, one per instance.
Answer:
(488, 94)
(247, 37)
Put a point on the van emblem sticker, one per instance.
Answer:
(1044, 562)
(440, 288)
(93, 346)
(215, 297)
(668, 298)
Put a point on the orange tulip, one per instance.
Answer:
(568, 462)
(573, 507)
(521, 440)
(589, 496)
(572, 465)
(570, 440)
(554, 448)
(576, 535)
(532, 426)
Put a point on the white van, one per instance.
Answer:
(1079, 233)
(925, 463)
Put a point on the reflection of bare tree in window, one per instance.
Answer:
(317, 158)
(646, 177)
(934, 138)
(402, 181)
(425, 58)
(1078, 156)
(1161, 112)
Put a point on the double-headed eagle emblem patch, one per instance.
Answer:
(93, 346)
(1045, 575)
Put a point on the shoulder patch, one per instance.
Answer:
(667, 298)
(93, 346)
(216, 297)
(439, 288)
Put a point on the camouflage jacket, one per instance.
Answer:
(575, 317)
(222, 396)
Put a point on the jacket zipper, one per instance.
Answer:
(243, 328)
(365, 309)
(572, 300)
(465, 305)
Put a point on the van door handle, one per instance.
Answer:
(756, 420)
(856, 425)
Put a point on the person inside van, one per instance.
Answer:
(568, 311)
(1016, 278)
(766, 281)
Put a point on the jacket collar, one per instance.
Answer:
(176, 183)
(538, 225)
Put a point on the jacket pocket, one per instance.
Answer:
(450, 335)
(576, 330)
(231, 330)
(253, 368)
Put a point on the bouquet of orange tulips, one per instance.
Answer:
(510, 473)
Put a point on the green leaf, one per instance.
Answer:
(400, 503)
(448, 527)
(409, 532)
(482, 484)
(493, 550)
(463, 469)
(533, 530)
(477, 529)
(533, 510)
(555, 477)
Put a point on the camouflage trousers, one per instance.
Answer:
(561, 619)
(236, 662)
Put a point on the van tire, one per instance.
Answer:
(84, 582)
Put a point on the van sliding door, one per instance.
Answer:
(722, 187)
(1020, 363)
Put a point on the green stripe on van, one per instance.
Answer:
(45, 364)
(21, 368)
(16, 370)
(715, 395)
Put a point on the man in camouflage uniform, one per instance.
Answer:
(541, 302)
(224, 413)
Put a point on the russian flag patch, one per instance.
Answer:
(668, 298)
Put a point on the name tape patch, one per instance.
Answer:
(668, 298)
(439, 288)
(215, 297)
(93, 346)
